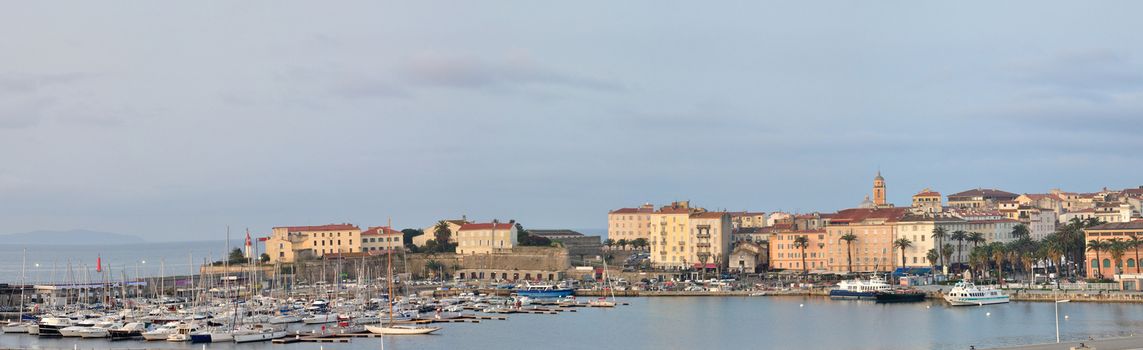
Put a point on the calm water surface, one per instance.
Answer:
(146, 258)
(738, 323)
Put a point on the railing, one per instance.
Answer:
(703, 235)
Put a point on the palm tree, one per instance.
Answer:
(849, 238)
(902, 243)
(947, 251)
(1054, 252)
(803, 242)
(1096, 245)
(609, 243)
(1021, 231)
(978, 259)
(432, 266)
(932, 256)
(623, 243)
(939, 235)
(639, 243)
(1134, 243)
(959, 236)
(999, 253)
(1116, 247)
(976, 238)
(442, 233)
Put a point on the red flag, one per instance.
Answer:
(248, 238)
(99, 264)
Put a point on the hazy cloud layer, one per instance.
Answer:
(175, 120)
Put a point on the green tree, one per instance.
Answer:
(408, 234)
(902, 243)
(803, 242)
(976, 238)
(1096, 245)
(609, 243)
(265, 258)
(236, 256)
(1135, 243)
(623, 243)
(947, 251)
(1021, 231)
(639, 243)
(999, 255)
(849, 238)
(1116, 248)
(939, 235)
(932, 256)
(442, 233)
(959, 236)
(433, 267)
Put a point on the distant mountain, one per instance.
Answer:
(70, 237)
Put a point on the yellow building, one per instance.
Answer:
(879, 191)
(875, 229)
(927, 201)
(630, 223)
(486, 238)
(287, 243)
(685, 237)
(430, 232)
(377, 240)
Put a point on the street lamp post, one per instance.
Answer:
(1057, 304)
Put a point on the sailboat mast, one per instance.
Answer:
(23, 275)
(389, 266)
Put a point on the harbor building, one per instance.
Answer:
(381, 239)
(288, 243)
(927, 201)
(983, 198)
(1127, 270)
(872, 250)
(748, 257)
(630, 223)
(685, 237)
(745, 219)
(483, 238)
(786, 253)
(430, 231)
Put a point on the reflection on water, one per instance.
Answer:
(742, 323)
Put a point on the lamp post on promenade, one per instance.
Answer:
(1057, 305)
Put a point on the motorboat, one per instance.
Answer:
(129, 331)
(859, 289)
(395, 329)
(320, 318)
(182, 333)
(966, 293)
(543, 291)
(284, 319)
(51, 326)
(899, 296)
(16, 327)
(160, 333)
(601, 302)
(258, 333)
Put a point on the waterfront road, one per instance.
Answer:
(1126, 343)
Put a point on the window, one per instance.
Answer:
(1106, 262)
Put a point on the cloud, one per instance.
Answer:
(30, 83)
(23, 112)
(367, 88)
(475, 73)
(1089, 74)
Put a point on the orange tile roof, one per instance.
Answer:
(862, 214)
(329, 227)
(376, 231)
(487, 226)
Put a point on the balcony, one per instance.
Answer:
(703, 235)
(703, 245)
(663, 252)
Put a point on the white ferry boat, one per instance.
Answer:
(966, 293)
(859, 289)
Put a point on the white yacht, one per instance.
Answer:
(966, 293)
(859, 289)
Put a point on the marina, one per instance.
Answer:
(693, 322)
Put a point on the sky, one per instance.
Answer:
(172, 120)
